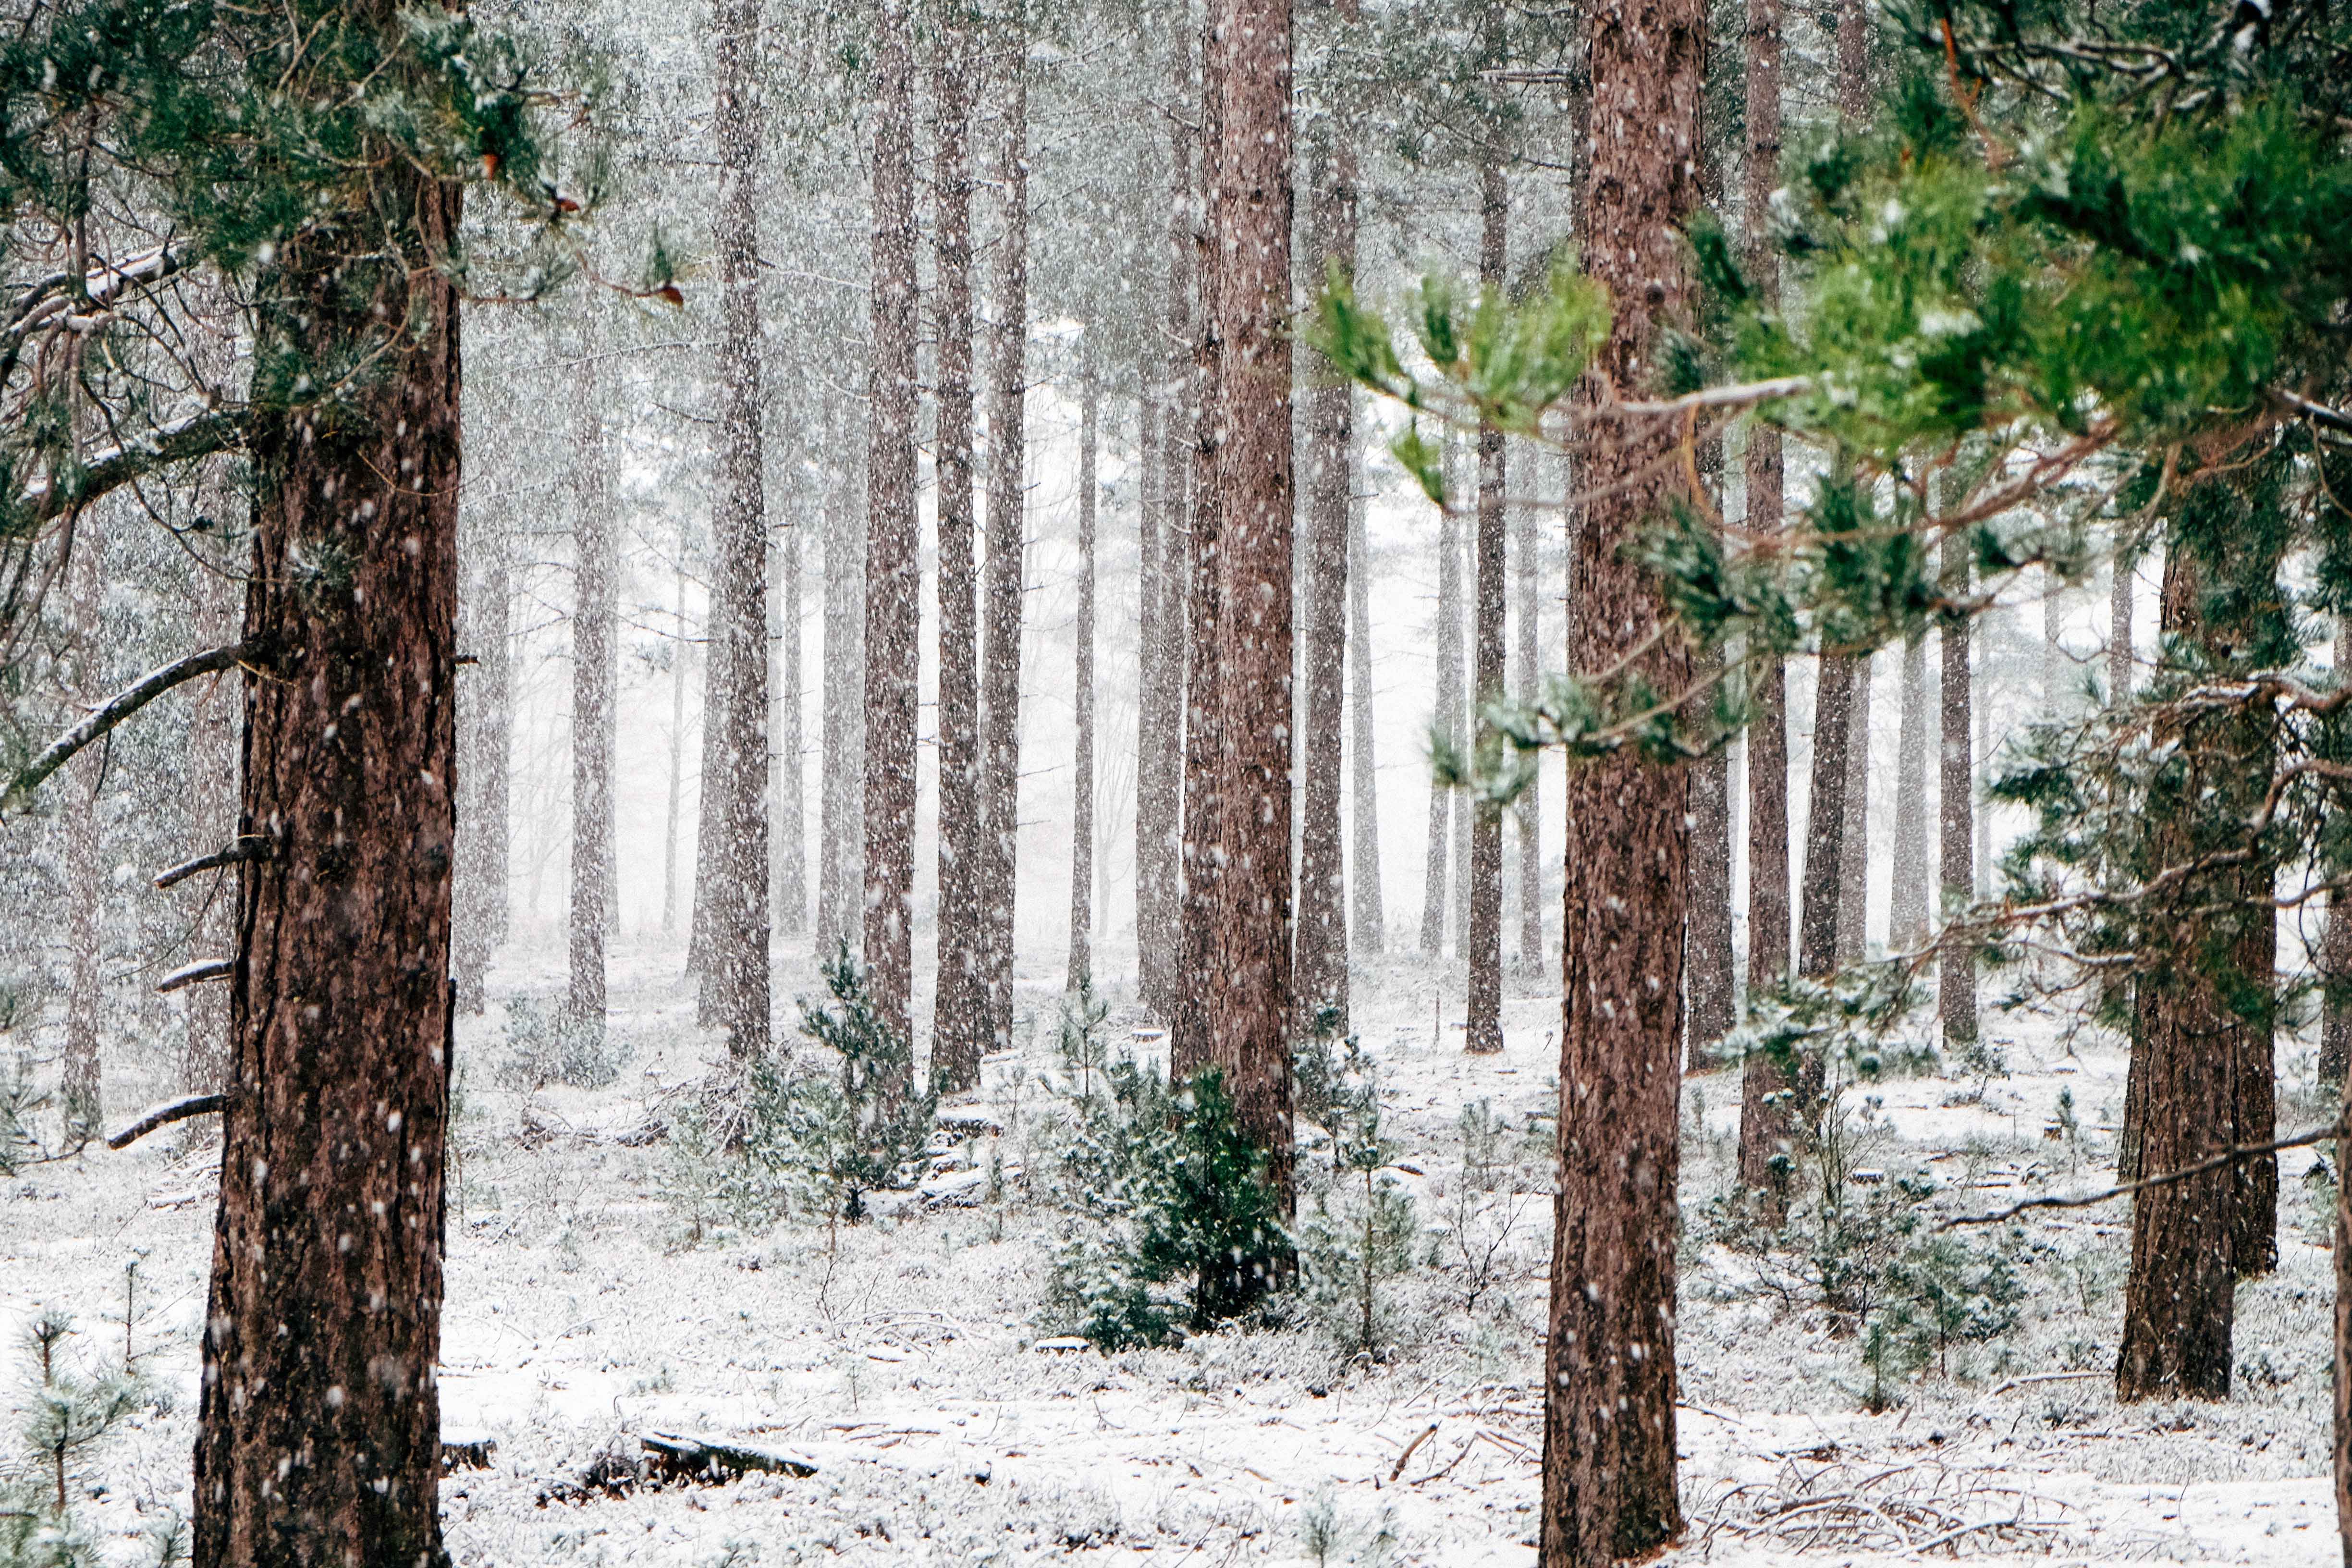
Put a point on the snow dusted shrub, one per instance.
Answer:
(1363, 1229)
(544, 1048)
(1172, 1220)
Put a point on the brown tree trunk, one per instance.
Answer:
(1764, 1112)
(2335, 946)
(1817, 925)
(1322, 971)
(2342, 1466)
(680, 653)
(1082, 766)
(1853, 858)
(1008, 371)
(737, 796)
(1908, 912)
(1483, 1034)
(1956, 982)
(83, 849)
(2119, 630)
(960, 1000)
(1445, 717)
(1363, 789)
(1533, 959)
(1250, 220)
(892, 556)
(1188, 1036)
(595, 615)
(319, 1419)
(1609, 1406)
(1157, 733)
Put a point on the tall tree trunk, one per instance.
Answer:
(1322, 970)
(790, 905)
(488, 708)
(85, 833)
(1158, 726)
(1082, 762)
(1956, 983)
(841, 787)
(1363, 788)
(1817, 925)
(1445, 719)
(1008, 449)
(2335, 946)
(595, 615)
(676, 809)
(1250, 218)
(1907, 916)
(960, 999)
(1980, 861)
(893, 558)
(1853, 859)
(2053, 693)
(1189, 1037)
(323, 1445)
(1609, 1389)
(1764, 1109)
(1483, 1034)
(2119, 630)
(1529, 806)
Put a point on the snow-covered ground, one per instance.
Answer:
(903, 1358)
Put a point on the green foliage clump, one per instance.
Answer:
(1176, 1228)
(67, 1415)
(544, 1047)
(1363, 1229)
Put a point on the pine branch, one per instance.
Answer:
(2229, 1156)
(198, 435)
(113, 711)
(252, 847)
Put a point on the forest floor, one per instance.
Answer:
(906, 1360)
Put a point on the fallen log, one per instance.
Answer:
(678, 1456)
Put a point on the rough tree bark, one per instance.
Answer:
(1322, 968)
(1156, 738)
(1609, 1389)
(1082, 766)
(486, 711)
(788, 905)
(2335, 945)
(2119, 630)
(1908, 914)
(841, 787)
(1765, 1121)
(1008, 374)
(319, 1419)
(1445, 719)
(1529, 806)
(1250, 218)
(1817, 921)
(736, 976)
(1853, 858)
(596, 615)
(1483, 1032)
(893, 558)
(679, 656)
(1955, 966)
(958, 1001)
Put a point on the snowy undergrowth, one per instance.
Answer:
(908, 1358)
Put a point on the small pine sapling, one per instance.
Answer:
(1084, 1049)
(66, 1415)
(1383, 1231)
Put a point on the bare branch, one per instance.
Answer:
(198, 435)
(252, 847)
(113, 711)
(2229, 1156)
(164, 1115)
(195, 974)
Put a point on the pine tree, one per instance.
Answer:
(1482, 946)
(1082, 764)
(596, 617)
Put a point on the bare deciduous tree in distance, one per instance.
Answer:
(1609, 1488)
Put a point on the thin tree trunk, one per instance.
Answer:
(1197, 977)
(1955, 984)
(1483, 1034)
(790, 904)
(1082, 765)
(1529, 806)
(1609, 1408)
(1853, 859)
(1250, 220)
(2342, 1466)
(679, 655)
(841, 792)
(1008, 370)
(1322, 969)
(958, 999)
(2335, 946)
(1907, 916)
(84, 833)
(2052, 682)
(737, 797)
(595, 613)
(484, 844)
(2119, 631)
(324, 1444)
(1158, 737)
(1168, 372)
(1980, 862)
(1817, 926)
(893, 559)
(1437, 880)
(1364, 797)
(1764, 1111)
